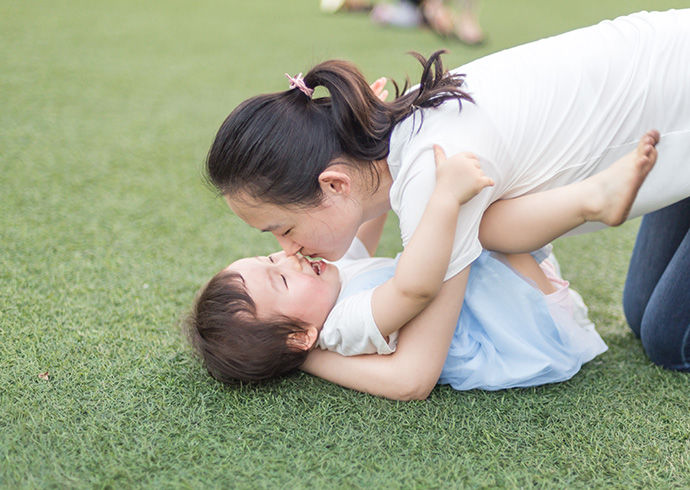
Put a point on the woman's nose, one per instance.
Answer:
(290, 247)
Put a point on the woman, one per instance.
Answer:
(538, 116)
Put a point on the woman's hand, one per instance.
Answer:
(377, 87)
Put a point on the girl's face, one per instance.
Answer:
(291, 286)
(326, 230)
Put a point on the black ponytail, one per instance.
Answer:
(274, 147)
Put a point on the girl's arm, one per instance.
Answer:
(422, 265)
(411, 372)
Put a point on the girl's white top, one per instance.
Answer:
(350, 328)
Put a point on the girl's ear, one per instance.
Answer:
(336, 179)
(304, 340)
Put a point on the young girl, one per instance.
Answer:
(520, 325)
(311, 171)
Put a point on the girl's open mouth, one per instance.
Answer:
(317, 267)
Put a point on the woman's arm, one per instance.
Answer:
(369, 233)
(411, 372)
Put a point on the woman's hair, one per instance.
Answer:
(232, 342)
(275, 146)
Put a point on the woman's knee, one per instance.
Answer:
(633, 305)
(662, 240)
(666, 344)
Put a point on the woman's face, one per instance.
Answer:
(325, 230)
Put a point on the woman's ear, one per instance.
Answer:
(304, 340)
(336, 179)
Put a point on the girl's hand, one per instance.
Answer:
(460, 176)
(377, 87)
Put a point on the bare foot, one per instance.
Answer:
(614, 190)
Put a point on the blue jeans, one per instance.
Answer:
(656, 299)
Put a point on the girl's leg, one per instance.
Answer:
(528, 267)
(656, 299)
(529, 222)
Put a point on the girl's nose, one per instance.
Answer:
(295, 262)
(291, 261)
(290, 247)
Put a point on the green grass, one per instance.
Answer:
(107, 110)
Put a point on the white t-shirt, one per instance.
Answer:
(350, 328)
(553, 112)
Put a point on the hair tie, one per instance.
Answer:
(298, 82)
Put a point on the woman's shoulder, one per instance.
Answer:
(456, 128)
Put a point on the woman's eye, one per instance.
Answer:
(284, 281)
(287, 232)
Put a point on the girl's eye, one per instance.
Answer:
(287, 232)
(285, 281)
(271, 259)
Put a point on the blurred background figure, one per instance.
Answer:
(332, 6)
(454, 18)
(404, 13)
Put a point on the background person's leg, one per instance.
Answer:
(660, 235)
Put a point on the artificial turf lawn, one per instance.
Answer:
(107, 231)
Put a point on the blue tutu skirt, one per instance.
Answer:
(510, 334)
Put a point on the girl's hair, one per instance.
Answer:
(274, 147)
(232, 342)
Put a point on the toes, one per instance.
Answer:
(655, 135)
(652, 136)
(645, 147)
(650, 139)
(643, 150)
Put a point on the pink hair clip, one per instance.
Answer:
(298, 82)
